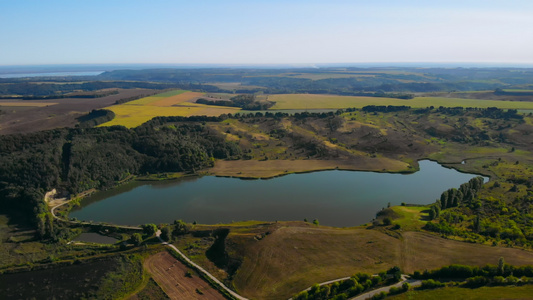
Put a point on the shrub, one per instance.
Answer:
(476, 281)
(431, 284)
(379, 296)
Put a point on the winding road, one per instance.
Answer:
(370, 294)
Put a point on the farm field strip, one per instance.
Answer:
(314, 101)
(173, 103)
(134, 115)
(170, 274)
(172, 100)
(25, 103)
(155, 98)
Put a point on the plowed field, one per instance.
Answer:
(169, 273)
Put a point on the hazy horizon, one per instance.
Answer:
(239, 32)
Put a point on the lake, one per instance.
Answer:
(335, 198)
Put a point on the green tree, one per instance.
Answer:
(166, 234)
(477, 224)
(149, 229)
(501, 266)
(180, 228)
(315, 221)
(136, 239)
(444, 200)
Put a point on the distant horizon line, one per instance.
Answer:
(266, 64)
(36, 68)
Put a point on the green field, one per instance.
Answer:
(482, 293)
(411, 217)
(153, 98)
(518, 91)
(313, 101)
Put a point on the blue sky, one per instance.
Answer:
(264, 32)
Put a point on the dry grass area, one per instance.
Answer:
(173, 100)
(273, 168)
(294, 257)
(169, 273)
(422, 250)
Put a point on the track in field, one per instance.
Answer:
(169, 273)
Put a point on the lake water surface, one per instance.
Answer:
(335, 198)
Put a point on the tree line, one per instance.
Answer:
(79, 159)
(453, 197)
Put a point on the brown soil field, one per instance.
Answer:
(273, 168)
(64, 282)
(169, 101)
(23, 103)
(56, 113)
(292, 258)
(169, 273)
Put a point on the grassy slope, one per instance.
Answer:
(293, 258)
(483, 293)
(310, 101)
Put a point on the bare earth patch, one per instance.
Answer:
(169, 273)
(273, 168)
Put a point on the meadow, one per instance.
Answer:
(315, 101)
(280, 259)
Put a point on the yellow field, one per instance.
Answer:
(173, 103)
(169, 101)
(134, 115)
(313, 101)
